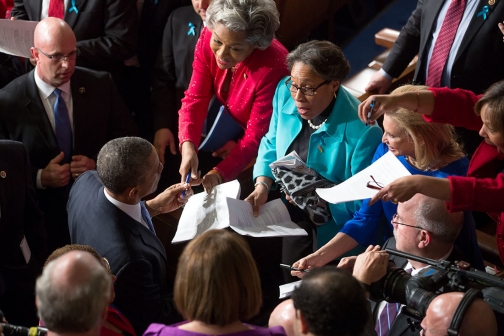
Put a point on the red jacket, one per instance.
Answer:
(249, 99)
(483, 188)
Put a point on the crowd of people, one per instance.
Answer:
(80, 178)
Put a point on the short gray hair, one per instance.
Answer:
(121, 163)
(431, 214)
(324, 58)
(75, 305)
(259, 19)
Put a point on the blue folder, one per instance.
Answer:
(224, 128)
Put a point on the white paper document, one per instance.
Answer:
(221, 209)
(16, 37)
(384, 171)
(287, 289)
(273, 219)
(206, 211)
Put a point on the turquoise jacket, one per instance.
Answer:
(342, 147)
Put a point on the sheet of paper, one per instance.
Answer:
(273, 220)
(287, 289)
(16, 37)
(206, 211)
(384, 170)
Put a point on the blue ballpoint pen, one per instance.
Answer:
(188, 177)
(371, 107)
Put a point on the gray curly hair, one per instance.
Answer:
(258, 18)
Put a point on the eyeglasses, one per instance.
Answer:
(396, 216)
(106, 263)
(304, 90)
(56, 58)
(374, 184)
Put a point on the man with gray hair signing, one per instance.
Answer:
(73, 294)
(105, 211)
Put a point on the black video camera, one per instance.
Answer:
(443, 276)
(12, 330)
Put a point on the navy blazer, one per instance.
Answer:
(136, 256)
(478, 63)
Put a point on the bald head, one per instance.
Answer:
(72, 293)
(479, 319)
(53, 38)
(50, 30)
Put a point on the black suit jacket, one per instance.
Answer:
(106, 30)
(99, 115)
(478, 63)
(173, 70)
(135, 254)
(19, 217)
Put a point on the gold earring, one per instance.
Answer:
(335, 95)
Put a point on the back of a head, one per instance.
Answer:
(432, 215)
(72, 293)
(122, 163)
(332, 302)
(217, 281)
(431, 140)
(259, 19)
(478, 320)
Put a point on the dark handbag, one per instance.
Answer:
(301, 188)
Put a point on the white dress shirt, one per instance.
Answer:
(132, 210)
(48, 99)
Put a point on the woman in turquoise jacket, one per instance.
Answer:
(316, 117)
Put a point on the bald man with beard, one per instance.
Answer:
(63, 114)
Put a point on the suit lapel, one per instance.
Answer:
(475, 25)
(128, 223)
(431, 16)
(37, 112)
(71, 14)
(4, 188)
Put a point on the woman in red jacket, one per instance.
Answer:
(238, 60)
(483, 188)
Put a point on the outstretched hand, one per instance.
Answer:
(170, 199)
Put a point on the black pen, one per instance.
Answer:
(371, 107)
(293, 268)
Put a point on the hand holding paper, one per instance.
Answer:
(367, 182)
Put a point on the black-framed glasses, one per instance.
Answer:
(374, 184)
(394, 221)
(307, 91)
(56, 58)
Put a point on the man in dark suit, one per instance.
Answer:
(474, 61)
(173, 71)
(105, 211)
(62, 134)
(479, 44)
(422, 227)
(106, 30)
(23, 240)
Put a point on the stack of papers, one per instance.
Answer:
(221, 209)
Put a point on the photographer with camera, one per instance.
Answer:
(422, 227)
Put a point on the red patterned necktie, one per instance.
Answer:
(57, 9)
(444, 42)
